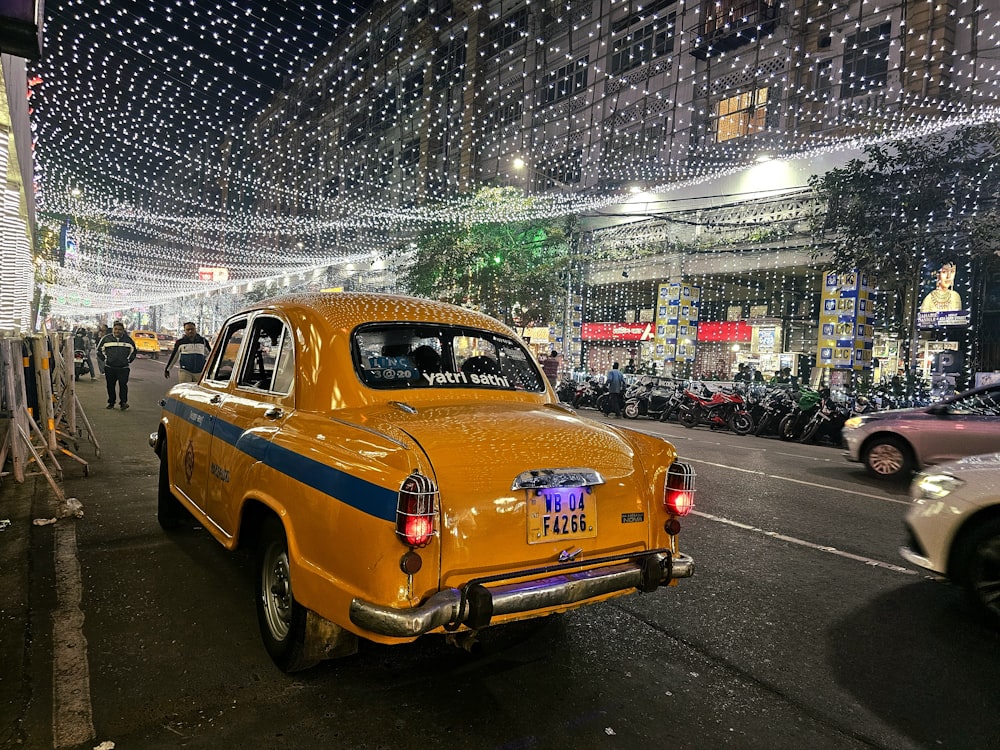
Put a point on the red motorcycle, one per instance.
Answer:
(716, 409)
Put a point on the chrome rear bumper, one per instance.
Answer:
(476, 604)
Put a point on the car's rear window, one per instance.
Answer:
(407, 355)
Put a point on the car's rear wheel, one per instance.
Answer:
(169, 511)
(978, 568)
(282, 620)
(888, 457)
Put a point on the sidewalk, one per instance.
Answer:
(30, 583)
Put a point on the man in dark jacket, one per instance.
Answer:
(117, 351)
(616, 386)
(192, 350)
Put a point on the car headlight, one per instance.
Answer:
(936, 486)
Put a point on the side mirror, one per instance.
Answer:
(939, 410)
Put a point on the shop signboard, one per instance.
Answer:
(677, 308)
(617, 331)
(845, 322)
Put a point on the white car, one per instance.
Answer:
(954, 527)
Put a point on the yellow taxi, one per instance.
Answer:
(402, 467)
(146, 342)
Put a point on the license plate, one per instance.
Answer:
(559, 513)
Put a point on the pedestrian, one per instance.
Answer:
(616, 384)
(85, 344)
(102, 331)
(742, 373)
(550, 366)
(191, 352)
(117, 352)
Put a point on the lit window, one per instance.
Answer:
(741, 115)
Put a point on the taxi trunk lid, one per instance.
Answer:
(492, 463)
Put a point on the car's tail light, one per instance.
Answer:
(416, 510)
(679, 492)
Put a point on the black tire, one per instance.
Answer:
(631, 410)
(169, 511)
(786, 427)
(810, 432)
(888, 457)
(688, 417)
(576, 402)
(976, 567)
(282, 620)
(741, 423)
(602, 404)
(764, 423)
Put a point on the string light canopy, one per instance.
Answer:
(275, 137)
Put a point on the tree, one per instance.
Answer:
(512, 270)
(910, 207)
(911, 202)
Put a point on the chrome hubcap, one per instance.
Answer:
(276, 591)
(885, 459)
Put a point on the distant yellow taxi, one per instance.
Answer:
(146, 343)
(402, 467)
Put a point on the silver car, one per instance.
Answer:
(893, 444)
(954, 527)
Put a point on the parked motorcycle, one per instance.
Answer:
(716, 409)
(792, 424)
(588, 393)
(776, 404)
(566, 390)
(80, 364)
(826, 421)
(653, 399)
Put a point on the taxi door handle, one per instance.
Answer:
(215, 399)
(274, 412)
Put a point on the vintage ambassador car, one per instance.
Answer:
(402, 467)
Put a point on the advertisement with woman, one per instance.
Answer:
(942, 305)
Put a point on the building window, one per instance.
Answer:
(823, 90)
(730, 15)
(508, 31)
(741, 115)
(409, 156)
(449, 64)
(561, 171)
(643, 44)
(564, 82)
(866, 60)
(411, 89)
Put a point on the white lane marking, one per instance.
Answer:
(811, 545)
(802, 481)
(808, 458)
(72, 714)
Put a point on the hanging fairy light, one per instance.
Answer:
(221, 131)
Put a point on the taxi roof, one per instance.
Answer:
(347, 310)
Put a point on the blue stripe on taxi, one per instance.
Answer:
(367, 497)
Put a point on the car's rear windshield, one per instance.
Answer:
(397, 355)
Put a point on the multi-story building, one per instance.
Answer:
(429, 99)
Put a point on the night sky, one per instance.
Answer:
(133, 93)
